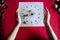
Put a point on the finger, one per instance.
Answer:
(45, 12)
(45, 15)
(17, 13)
(16, 16)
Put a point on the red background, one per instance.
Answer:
(9, 21)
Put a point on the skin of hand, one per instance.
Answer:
(18, 18)
(50, 32)
(16, 28)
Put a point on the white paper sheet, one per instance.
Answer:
(31, 13)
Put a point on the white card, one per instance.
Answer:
(31, 13)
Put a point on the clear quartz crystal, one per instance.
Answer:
(57, 0)
(56, 6)
(59, 9)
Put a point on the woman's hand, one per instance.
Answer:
(46, 16)
(16, 28)
(18, 18)
(50, 32)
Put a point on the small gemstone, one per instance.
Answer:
(4, 5)
(39, 13)
(38, 17)
(23, 9)
(31, 21)
(2, 1)
(29, 10)
(24, 22)
(25, 15)
(32, 13)
(22, 13)
(38, 9)
(35, 20)
(1, 12)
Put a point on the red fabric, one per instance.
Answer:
(32, 32)
(9, 21)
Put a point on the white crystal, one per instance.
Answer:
(59, 9)
(56, 6)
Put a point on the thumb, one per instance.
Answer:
(18, 16)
